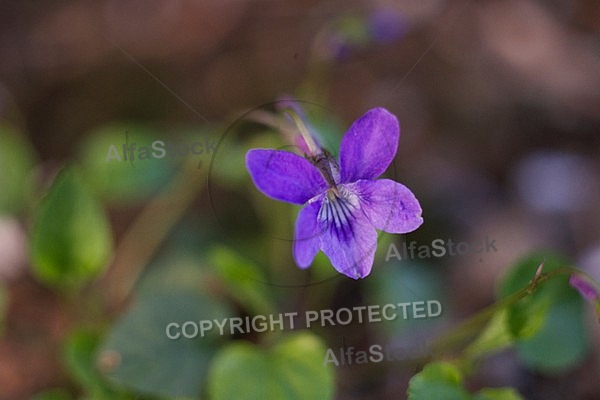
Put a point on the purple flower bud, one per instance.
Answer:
(585, 288)
(290, 107)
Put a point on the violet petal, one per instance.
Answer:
(389, 205)
(306, 235)
(351, 246)
(369, 146)
(284, 176)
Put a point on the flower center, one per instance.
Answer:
(337, 211)
(328, 168)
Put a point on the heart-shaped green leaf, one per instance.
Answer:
(561, 343)
(150, 362)
(292, 369)
(526, 317)
(548, 323)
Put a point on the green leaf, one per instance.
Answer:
(437, 381)
(562, 342)
(71, 240)
(292, 369)
(244, 280)
(175, 270)
(526, 317)
(494, 337)
(549, 323)
(524, 270)
(16, 161)
(405, 281)
(125, 181)
(79, 356)
(147, 360)
(498, 394)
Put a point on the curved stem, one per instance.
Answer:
(147, 232)
(471, 327)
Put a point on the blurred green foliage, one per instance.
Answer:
(17, 159)
(126, 181)
(443, 381)
(71, 245)
(71, 241)
(244, 281)
(403, 282)
(493, 338)
(497, 394)
(291, 369)
(437, 381)
(150, 362)
(537, 311)
(80, 359)
(548, 324)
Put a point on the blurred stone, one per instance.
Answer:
(12, 248)
(552, 182)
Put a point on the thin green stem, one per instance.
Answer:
(471, 327)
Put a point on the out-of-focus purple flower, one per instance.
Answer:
(343, 201)
(386, 25)
(556, 182)
(585, 288)
(339, 47)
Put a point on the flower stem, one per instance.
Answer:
(147, 232)
(469, 329)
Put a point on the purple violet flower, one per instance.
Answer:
(343, 201)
